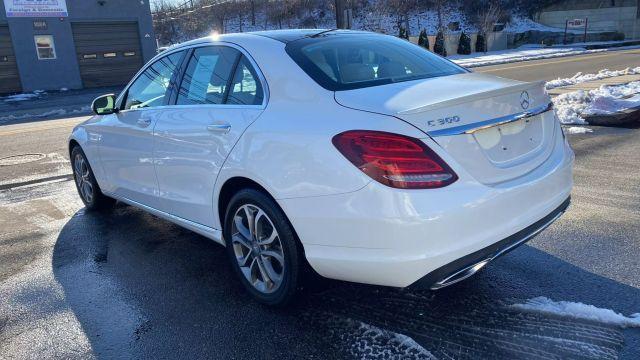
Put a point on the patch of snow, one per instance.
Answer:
(580, 77)
(520, 24)
(364, 341)
(516, 55)
(607, 99)
(50, 113)
(21, 97)
(572, 130)
(579, 311)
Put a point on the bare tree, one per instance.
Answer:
(402, 8)
(439, 5)
(487, 17)
(253, 12)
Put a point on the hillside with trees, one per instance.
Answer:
(196, 18)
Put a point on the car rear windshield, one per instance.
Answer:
(352, 61)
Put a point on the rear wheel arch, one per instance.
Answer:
(231, 187)
(237, 183)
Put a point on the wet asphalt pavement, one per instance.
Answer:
(125, 284)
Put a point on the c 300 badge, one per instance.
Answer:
(444, 121)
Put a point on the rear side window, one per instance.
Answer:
(207, 77)
(245, 88)
(351, 61)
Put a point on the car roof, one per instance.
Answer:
(284, 36)
(289, 35)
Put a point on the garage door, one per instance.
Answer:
(108, 52)
(9, 78)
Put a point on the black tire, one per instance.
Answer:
(294, 262)
(97, 200)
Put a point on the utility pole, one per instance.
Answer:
(340, 23)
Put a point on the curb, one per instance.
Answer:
(620, 118)
(615, 45)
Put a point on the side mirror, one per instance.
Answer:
(104, 105)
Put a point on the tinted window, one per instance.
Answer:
(150, 88)
(351, 61)
(245, 88)
(207, 76)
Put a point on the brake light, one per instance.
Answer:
(394, 160)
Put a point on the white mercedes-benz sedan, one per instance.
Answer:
(360, 156)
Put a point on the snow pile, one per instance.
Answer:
(580, 78)
(50, 113)
(574, 106)
(21, 97)
(579, 311)
(572, 130)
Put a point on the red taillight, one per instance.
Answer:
(395, 160)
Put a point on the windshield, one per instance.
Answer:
(351, 61)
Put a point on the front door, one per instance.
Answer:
(219, 96)
(126, 138)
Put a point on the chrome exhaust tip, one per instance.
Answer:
(460, 274)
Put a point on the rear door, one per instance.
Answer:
(126, 138)
(219, 96)
(9, 78)
(108, 52)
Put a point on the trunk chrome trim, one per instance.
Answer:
(471, 128)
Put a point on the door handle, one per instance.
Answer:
(144, 122)
(219, 128)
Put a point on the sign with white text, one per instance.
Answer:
(576, 23)
(36, 8)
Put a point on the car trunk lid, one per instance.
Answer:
(496, 129)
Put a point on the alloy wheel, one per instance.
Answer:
(82, 176)
(257, 248)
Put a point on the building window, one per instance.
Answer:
(89, 56)
(45, 47)
(129, 53)
(110, 55)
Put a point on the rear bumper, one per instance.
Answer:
(468, 265)
(395, 237)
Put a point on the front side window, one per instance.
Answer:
(206, 79)
(245, 88)
(351, 61)
(45, 47)
(150, 88)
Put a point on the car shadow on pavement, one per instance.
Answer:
(142, 287)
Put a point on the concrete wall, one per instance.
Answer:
(623, 19)
(63, 72)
